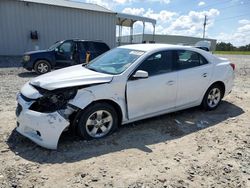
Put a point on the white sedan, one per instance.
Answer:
(126, 84)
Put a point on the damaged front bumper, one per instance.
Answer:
(42, 128)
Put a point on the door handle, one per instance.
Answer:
(204, 74)
(171, 82)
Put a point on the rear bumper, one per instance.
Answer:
(229, 82)
(42, 128)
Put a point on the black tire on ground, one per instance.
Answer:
(212, 98)
(97, 121)
(42, 67)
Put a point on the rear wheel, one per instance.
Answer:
(42, 67)
(97, 121)
(212, 97)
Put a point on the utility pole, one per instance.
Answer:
(204, 26)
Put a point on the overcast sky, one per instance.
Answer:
(228, 20)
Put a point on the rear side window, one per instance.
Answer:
(188, 59)
(90, 47)
(203, 61)
(100, 47)
(83, 47)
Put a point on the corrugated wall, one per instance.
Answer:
(52, 23)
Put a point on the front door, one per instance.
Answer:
(157, 92)
(65, 54)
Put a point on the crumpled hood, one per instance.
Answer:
(68, 77)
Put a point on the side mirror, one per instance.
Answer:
(140, 74)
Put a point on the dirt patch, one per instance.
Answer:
(190, 148)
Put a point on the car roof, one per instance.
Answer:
(153, 47)
(80, 40)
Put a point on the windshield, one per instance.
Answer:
(115, 61)
(55, 45)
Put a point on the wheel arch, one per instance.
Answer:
(115, 105)
(75, 117)
(40, 59)
(221, 84)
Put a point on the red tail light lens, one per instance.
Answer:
(232, 65)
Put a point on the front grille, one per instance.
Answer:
(19, 109)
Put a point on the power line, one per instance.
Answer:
(235, 5)
(202, 8)
(231, 17)
(211, 5)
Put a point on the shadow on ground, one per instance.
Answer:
(27, 74)
(137, 135)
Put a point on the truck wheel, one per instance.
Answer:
(42, 67)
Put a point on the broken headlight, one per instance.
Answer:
(52, 101)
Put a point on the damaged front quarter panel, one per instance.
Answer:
(82, 99)
(49, 114)
(44, 119)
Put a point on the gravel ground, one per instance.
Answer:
(190, 148)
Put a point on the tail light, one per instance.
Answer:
(232, 65)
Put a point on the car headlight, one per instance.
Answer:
(62, 96)
(54, 100)
(26, 58)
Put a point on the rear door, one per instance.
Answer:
(194, 73)
(83, 48)
(92, 50)
(155, 93)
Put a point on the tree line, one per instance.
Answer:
(222, 46)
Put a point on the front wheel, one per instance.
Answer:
(97, 121)
(42, 67)
(212, 97)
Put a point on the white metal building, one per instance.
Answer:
(27, 25)
(167, 39)
(52, 21)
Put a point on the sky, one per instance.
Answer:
(227, 20)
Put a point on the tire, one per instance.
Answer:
(97, 121)
(42, 67)
(212, 97)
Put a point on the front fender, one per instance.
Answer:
(82, 99)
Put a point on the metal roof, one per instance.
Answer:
(71, 4)
(128, 19)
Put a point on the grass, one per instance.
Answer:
(233, 52)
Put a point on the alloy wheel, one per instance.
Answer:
(214, 97)
(99, 123)
(43, 67)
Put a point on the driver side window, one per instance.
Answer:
(66, 47)
(157, 63)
